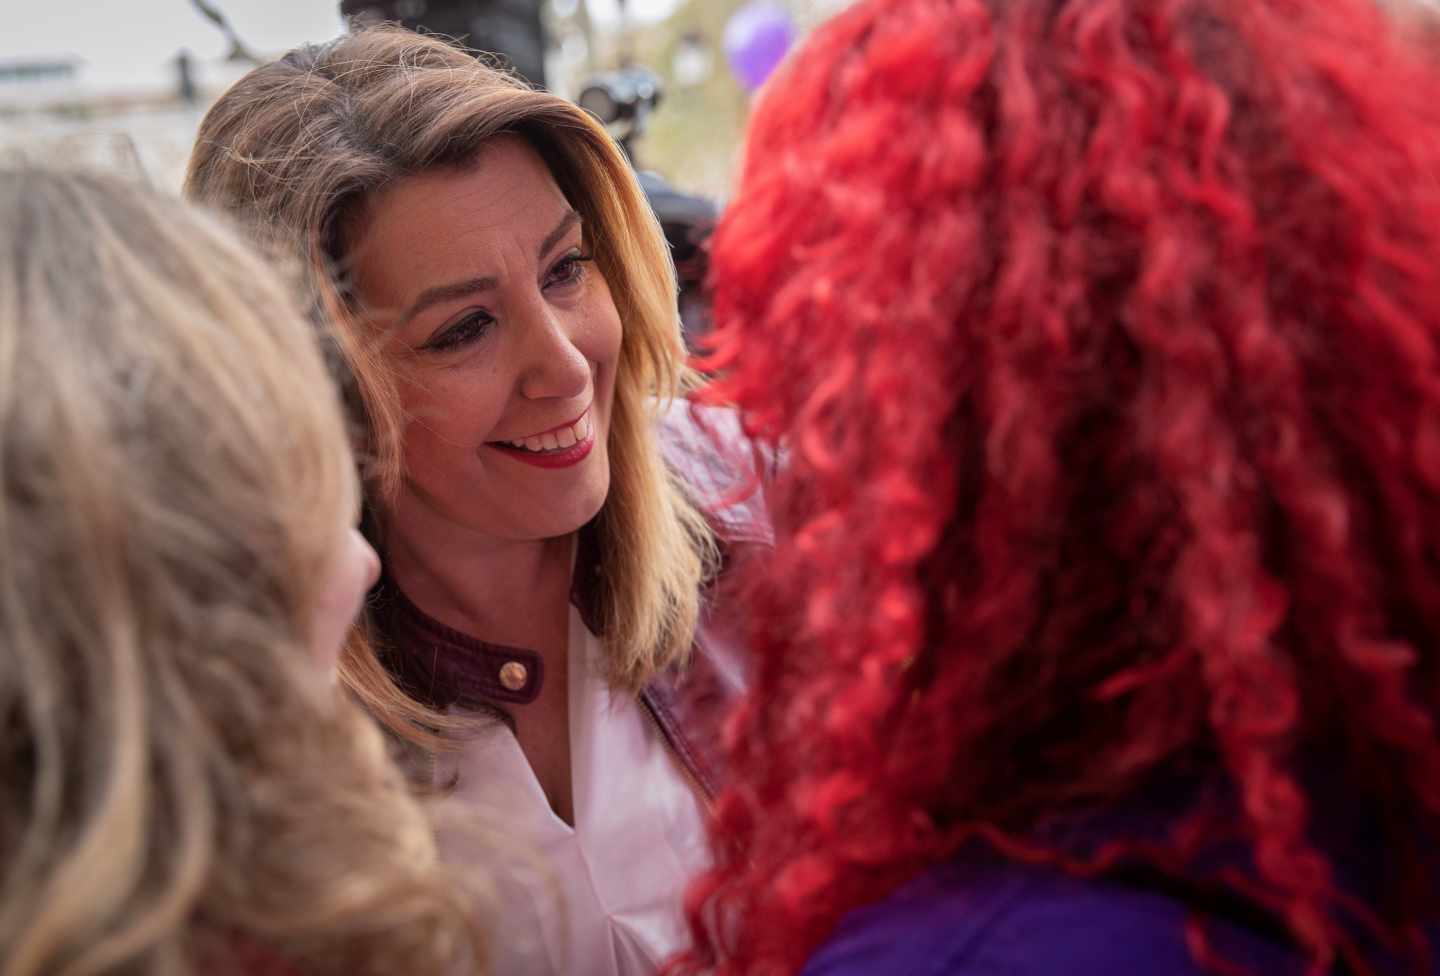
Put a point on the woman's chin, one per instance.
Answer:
(562, 518)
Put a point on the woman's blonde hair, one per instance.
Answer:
(296, 146)
(178, 790)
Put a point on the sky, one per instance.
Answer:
(130, 44)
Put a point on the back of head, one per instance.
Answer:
(1104, 336)
(180, 788)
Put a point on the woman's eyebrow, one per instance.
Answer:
(570, 219)
(471, 286)
(445, 293)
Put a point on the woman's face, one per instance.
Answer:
(506, 341)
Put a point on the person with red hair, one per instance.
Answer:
(1101, 339)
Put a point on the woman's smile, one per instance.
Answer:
(558, 447)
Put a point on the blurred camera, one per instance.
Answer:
(623, 100)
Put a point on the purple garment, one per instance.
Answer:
(1002, 919)
(983, 915)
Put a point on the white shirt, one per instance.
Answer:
(601, 898)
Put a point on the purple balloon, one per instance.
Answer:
(756, 39)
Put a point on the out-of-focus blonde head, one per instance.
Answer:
(178, 785)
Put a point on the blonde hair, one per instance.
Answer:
(179, 789)
(296, 145)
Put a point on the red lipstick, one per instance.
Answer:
(559, 457)
(565, 457)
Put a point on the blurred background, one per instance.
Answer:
(124, 83)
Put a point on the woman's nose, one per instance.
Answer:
(554, 365)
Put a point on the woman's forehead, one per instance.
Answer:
(445, 223)
(499, 187)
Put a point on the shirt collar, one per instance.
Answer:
(442, 666)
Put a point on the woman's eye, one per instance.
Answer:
(467, 330)
(569, 269)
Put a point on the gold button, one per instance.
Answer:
(513, 675)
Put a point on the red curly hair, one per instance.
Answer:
(1103, 340)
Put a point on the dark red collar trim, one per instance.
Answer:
(441, 666)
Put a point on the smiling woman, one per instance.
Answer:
(547, 520)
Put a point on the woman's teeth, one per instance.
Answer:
(560, 439)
